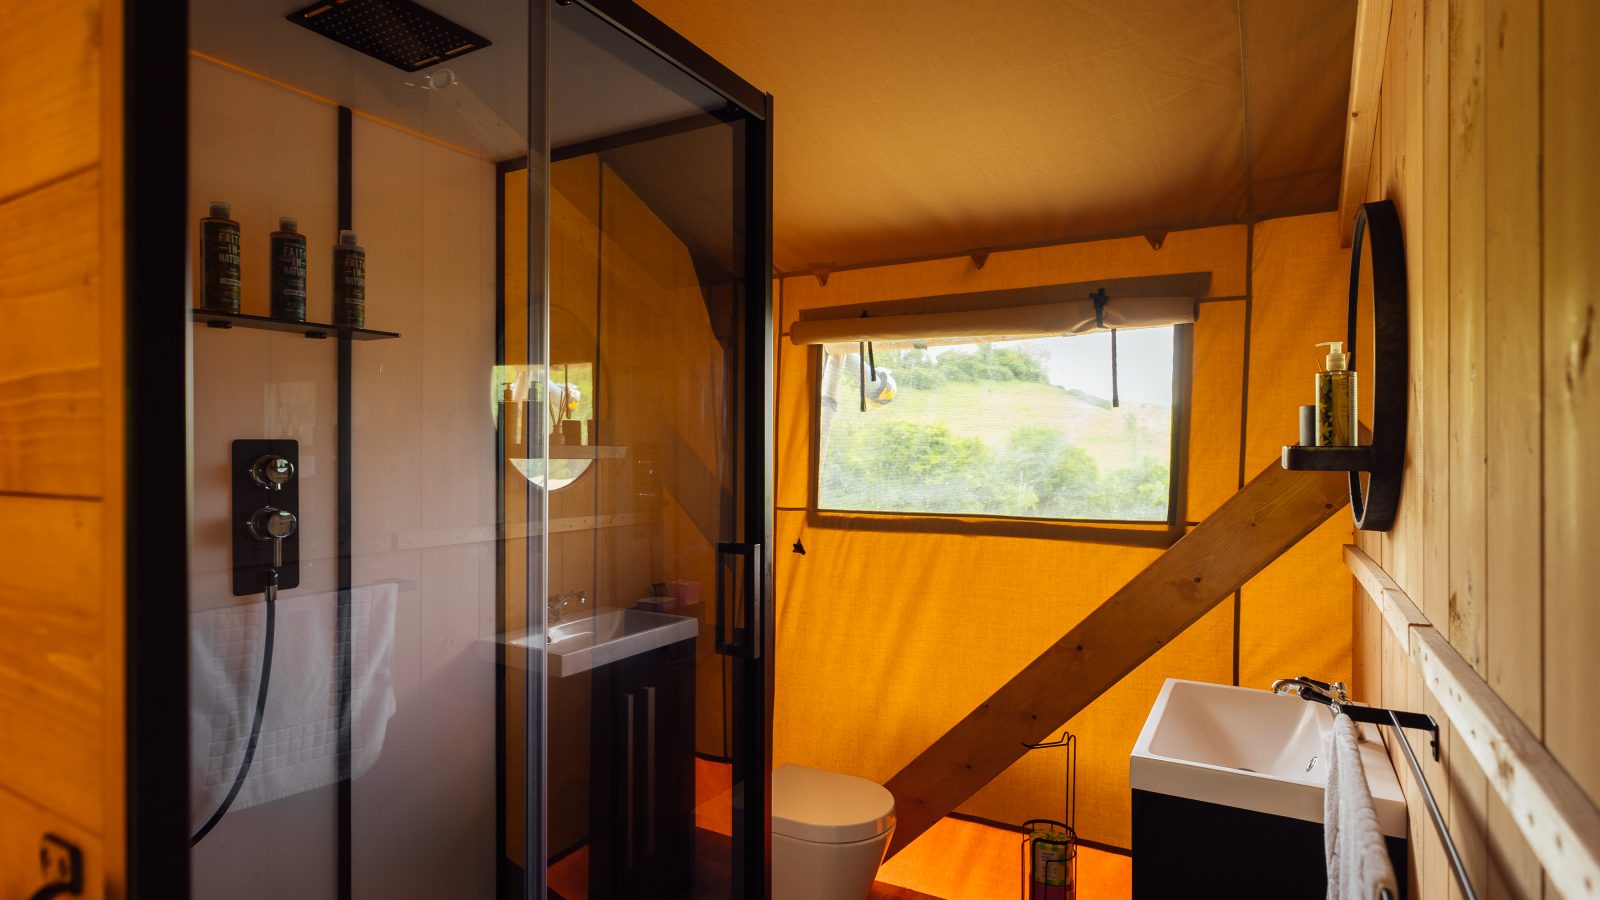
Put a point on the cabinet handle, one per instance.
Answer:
(628, 831)
(650, 770)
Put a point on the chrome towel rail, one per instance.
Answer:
(1333, 696)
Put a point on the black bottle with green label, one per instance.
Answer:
(349, 282)
(219, 260)
(288, 271)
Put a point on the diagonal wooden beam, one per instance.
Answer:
(1254, 527)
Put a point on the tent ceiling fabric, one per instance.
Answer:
(912, 129)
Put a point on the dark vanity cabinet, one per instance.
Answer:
(641, 814)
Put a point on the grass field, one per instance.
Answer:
(1116, 438)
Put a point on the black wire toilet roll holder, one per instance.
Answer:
(1041, 851)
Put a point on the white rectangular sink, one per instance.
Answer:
(608, 636)
(1253, 750)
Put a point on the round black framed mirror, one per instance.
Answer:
(1380, 352)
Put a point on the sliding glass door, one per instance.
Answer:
(658, 656)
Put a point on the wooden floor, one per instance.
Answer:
(953, 860)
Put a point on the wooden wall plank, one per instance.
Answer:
(1513, 866)
(22, 826)
(1361, 115)
(50, 318)
(1466, 809)
(1513, 414)
(1435, 324)
(1513, 374)
(1406, 189)
(1466, 518)
(54, 51)
(61, 442)
(113, 453)
(1571, 194)
(51, 656)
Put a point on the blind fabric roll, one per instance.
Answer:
(1074, 316)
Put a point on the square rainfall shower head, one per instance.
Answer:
(398, 32)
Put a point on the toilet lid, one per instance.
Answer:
(827, 807)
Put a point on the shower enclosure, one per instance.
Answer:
(479, 590)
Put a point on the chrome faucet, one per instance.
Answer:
(1333, 693)
(560, 602)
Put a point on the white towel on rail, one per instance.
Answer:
(298, 747)
(1358, 860)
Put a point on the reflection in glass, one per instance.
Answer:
(646, 288)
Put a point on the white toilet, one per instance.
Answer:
(829, 834)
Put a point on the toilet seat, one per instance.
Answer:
(827, 807)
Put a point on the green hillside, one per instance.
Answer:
(1142, 431)
(992, 436)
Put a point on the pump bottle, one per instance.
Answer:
(1336, 399)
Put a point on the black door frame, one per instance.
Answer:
(155, 174)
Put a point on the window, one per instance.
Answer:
(1001, 427)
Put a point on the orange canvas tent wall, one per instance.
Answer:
(888, 633)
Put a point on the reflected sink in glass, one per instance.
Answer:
(605, 637)
(1253, 750)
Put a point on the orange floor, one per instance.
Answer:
(954, 860)
(961, 860)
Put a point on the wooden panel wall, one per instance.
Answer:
(60, 442)
(1487, 131)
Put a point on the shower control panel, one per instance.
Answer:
(266, 507)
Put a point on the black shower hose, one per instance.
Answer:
(255, 725)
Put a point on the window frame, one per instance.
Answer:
(1142, 533)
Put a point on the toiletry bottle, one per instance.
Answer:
(219, 260)
(288, 272)
(1336, 399)
(349, 282)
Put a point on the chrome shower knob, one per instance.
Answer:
(272, 524)
(272, 472)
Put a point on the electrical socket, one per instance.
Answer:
(61, 866)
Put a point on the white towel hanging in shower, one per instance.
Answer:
(298, 747)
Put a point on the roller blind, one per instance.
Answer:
(1025, 312)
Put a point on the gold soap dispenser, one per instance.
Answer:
(1336, 399)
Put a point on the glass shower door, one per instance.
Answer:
(358, 726)
(659, 349)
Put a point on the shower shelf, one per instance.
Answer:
(315, 330)
(587, 451)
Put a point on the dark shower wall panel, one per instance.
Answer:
(423, 814)
(269, 152)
